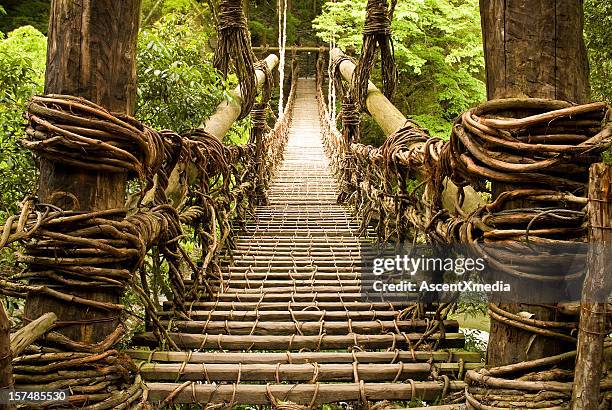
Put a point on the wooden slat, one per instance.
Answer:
(297, 342)
(286, 297)
(307, 357)
(304, 394)
(283, 372)
(286, 305)
(288, 308)
(305, 328)
(279, 315)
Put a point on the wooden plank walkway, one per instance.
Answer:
(288, 322)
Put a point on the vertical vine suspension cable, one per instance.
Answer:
(282, 43)
(376, 35)
(331, 94)
(234, 51)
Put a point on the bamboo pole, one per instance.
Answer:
(595, 292)
(229, 110)
(390, 119)
(218, 125)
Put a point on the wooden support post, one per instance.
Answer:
(6, 355)
(390, 119)
(595, 291)
(91, 54)
(532, 49)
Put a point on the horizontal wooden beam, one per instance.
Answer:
(286, 305)
(306, 328)
(283, 372)
(288, 297)
(286, 315)
(296, 372)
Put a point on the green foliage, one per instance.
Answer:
(24, 13)
(435, 124)
(263, 22)
(154, 10)
(438, 50)
(598, 35)
(177, 86)
(22, 68)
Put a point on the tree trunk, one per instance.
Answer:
(91, 54)
(595, 291)
(6, 355)
(535, 49)
(532, 49)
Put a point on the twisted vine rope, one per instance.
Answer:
(234, 48)
(522, 384)
(376, 35)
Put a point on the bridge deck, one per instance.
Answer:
(287, 322)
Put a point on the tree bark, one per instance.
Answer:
(91, 54)
(532, 49)
(535, 49)
(595, 291)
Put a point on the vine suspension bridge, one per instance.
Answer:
(271, 311)
(288, 308)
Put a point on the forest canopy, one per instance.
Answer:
(438, 49)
